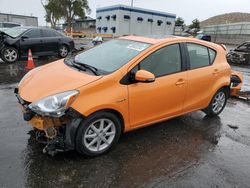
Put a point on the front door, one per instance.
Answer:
(151, 102)
(33, 42)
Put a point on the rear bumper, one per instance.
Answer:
(71, 46)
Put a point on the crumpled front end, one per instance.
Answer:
(58, 133)
(238, 57)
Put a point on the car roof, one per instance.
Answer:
(171, 38)
(145, 39)
(32, 27)
(10, 22)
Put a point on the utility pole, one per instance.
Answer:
(132, 3)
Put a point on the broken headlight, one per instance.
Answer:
(54, 105)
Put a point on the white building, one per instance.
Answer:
(122, 20)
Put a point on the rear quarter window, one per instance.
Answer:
(212, 55)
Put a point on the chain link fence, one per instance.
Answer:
(235, 33)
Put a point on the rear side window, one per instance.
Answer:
(49, 33)
(165, 61)
(34, 33)
(198, 55)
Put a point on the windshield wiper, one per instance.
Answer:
(76, 65)
(86, 66)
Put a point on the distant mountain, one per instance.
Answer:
(233, 17)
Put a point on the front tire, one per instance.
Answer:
(217, 103)
(98, 133)
(9, 54)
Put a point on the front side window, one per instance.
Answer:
(111, 55)
(198, 55)
(34, 33)
(165, 61)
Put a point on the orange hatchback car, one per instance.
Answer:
(87, 101)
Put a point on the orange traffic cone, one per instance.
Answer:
(30, 63)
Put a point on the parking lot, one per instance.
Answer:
(189, 151)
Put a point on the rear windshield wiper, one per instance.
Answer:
(86, 66)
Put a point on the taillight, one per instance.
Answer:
(235, 81)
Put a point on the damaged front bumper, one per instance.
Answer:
(57, 133)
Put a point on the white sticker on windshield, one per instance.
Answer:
(137, 47)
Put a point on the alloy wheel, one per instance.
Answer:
(99, 135)
(219, 102)
(63, 51)
(10, 55)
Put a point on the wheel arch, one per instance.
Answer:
(115, 112)
(64, 44)
(227, 89)
(73, 126)
(215, 90)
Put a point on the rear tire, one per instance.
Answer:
(9, 54)
(98, 133)
(217, 103)
(63, 51)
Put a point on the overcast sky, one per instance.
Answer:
(189, 10)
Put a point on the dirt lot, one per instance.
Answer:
(189, 151)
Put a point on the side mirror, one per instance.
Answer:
(24, 37)
(144, 76)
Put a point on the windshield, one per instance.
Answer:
(111, 55)
(15, 31)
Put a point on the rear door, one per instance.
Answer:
(150, 102)
(201, 76)
(50, 41)
(33, 42)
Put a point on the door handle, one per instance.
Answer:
(180, 82)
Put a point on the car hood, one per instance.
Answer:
(2, 33)
(50, 79)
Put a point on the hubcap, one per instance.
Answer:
(63, 51)
(10, 55)
(99, 135)
(219, 102)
